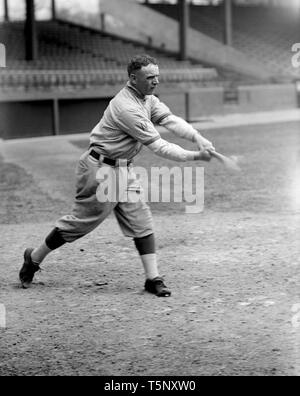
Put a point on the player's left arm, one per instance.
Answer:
(183, 129)
(161, 115)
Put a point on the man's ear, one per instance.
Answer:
(132, 79)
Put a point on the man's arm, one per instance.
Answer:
(172, 151)
(184, 130)
(143, 130)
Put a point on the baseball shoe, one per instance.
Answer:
(157, 287)
(28, 269)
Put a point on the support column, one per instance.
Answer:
(53, 9)
(31, 43)
(6, 12)
(228, 22)
(183, 8)
(56, 117)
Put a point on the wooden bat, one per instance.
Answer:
(230, 163)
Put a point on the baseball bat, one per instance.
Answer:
(229, 162)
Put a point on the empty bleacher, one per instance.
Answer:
(78, 70)
(72, 57)
(265, 34)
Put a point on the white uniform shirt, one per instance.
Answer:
(128, 124)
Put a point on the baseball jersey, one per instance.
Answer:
(127, 124)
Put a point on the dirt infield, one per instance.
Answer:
(233, 271)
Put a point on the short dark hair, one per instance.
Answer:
(138, 61)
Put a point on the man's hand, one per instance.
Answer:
(203, 156)
(204, 144)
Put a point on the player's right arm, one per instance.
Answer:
(172, 151)
(142, 129)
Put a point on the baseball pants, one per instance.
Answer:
(90, 210)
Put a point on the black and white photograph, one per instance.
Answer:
(149, 191)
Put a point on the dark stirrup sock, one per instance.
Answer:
(145, 245)
(55, 240)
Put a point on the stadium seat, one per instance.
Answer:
(74, 57)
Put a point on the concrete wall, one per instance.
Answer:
(267, 97)
(176, 101)
(80, 115)
(25, 119)
(35, 118)
(77, 11)
(210, 101)
(205, 102)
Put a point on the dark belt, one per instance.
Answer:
(105, 160)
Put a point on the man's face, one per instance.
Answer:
(146, 80)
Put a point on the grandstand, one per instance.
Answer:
(74, 57)
(81, 66)
(263, 33)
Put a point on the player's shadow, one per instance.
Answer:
(18, 286)
(87, 288)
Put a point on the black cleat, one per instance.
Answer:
(157, 287)
(28, 270)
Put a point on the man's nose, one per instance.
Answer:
(156, 81)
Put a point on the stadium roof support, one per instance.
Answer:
(228, 22)
(53, 9)
(183, 8)
(31, 42)
(6, 11)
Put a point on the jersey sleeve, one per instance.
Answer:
(138, 126)
(172, 151)
(159, 111)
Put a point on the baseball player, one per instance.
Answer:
(126, 126)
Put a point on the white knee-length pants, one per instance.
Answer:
(124, 192)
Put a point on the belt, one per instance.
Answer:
(107, 161)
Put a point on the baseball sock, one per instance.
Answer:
(39, 254)
(150, 266)
(53, 241)
(146, 249)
